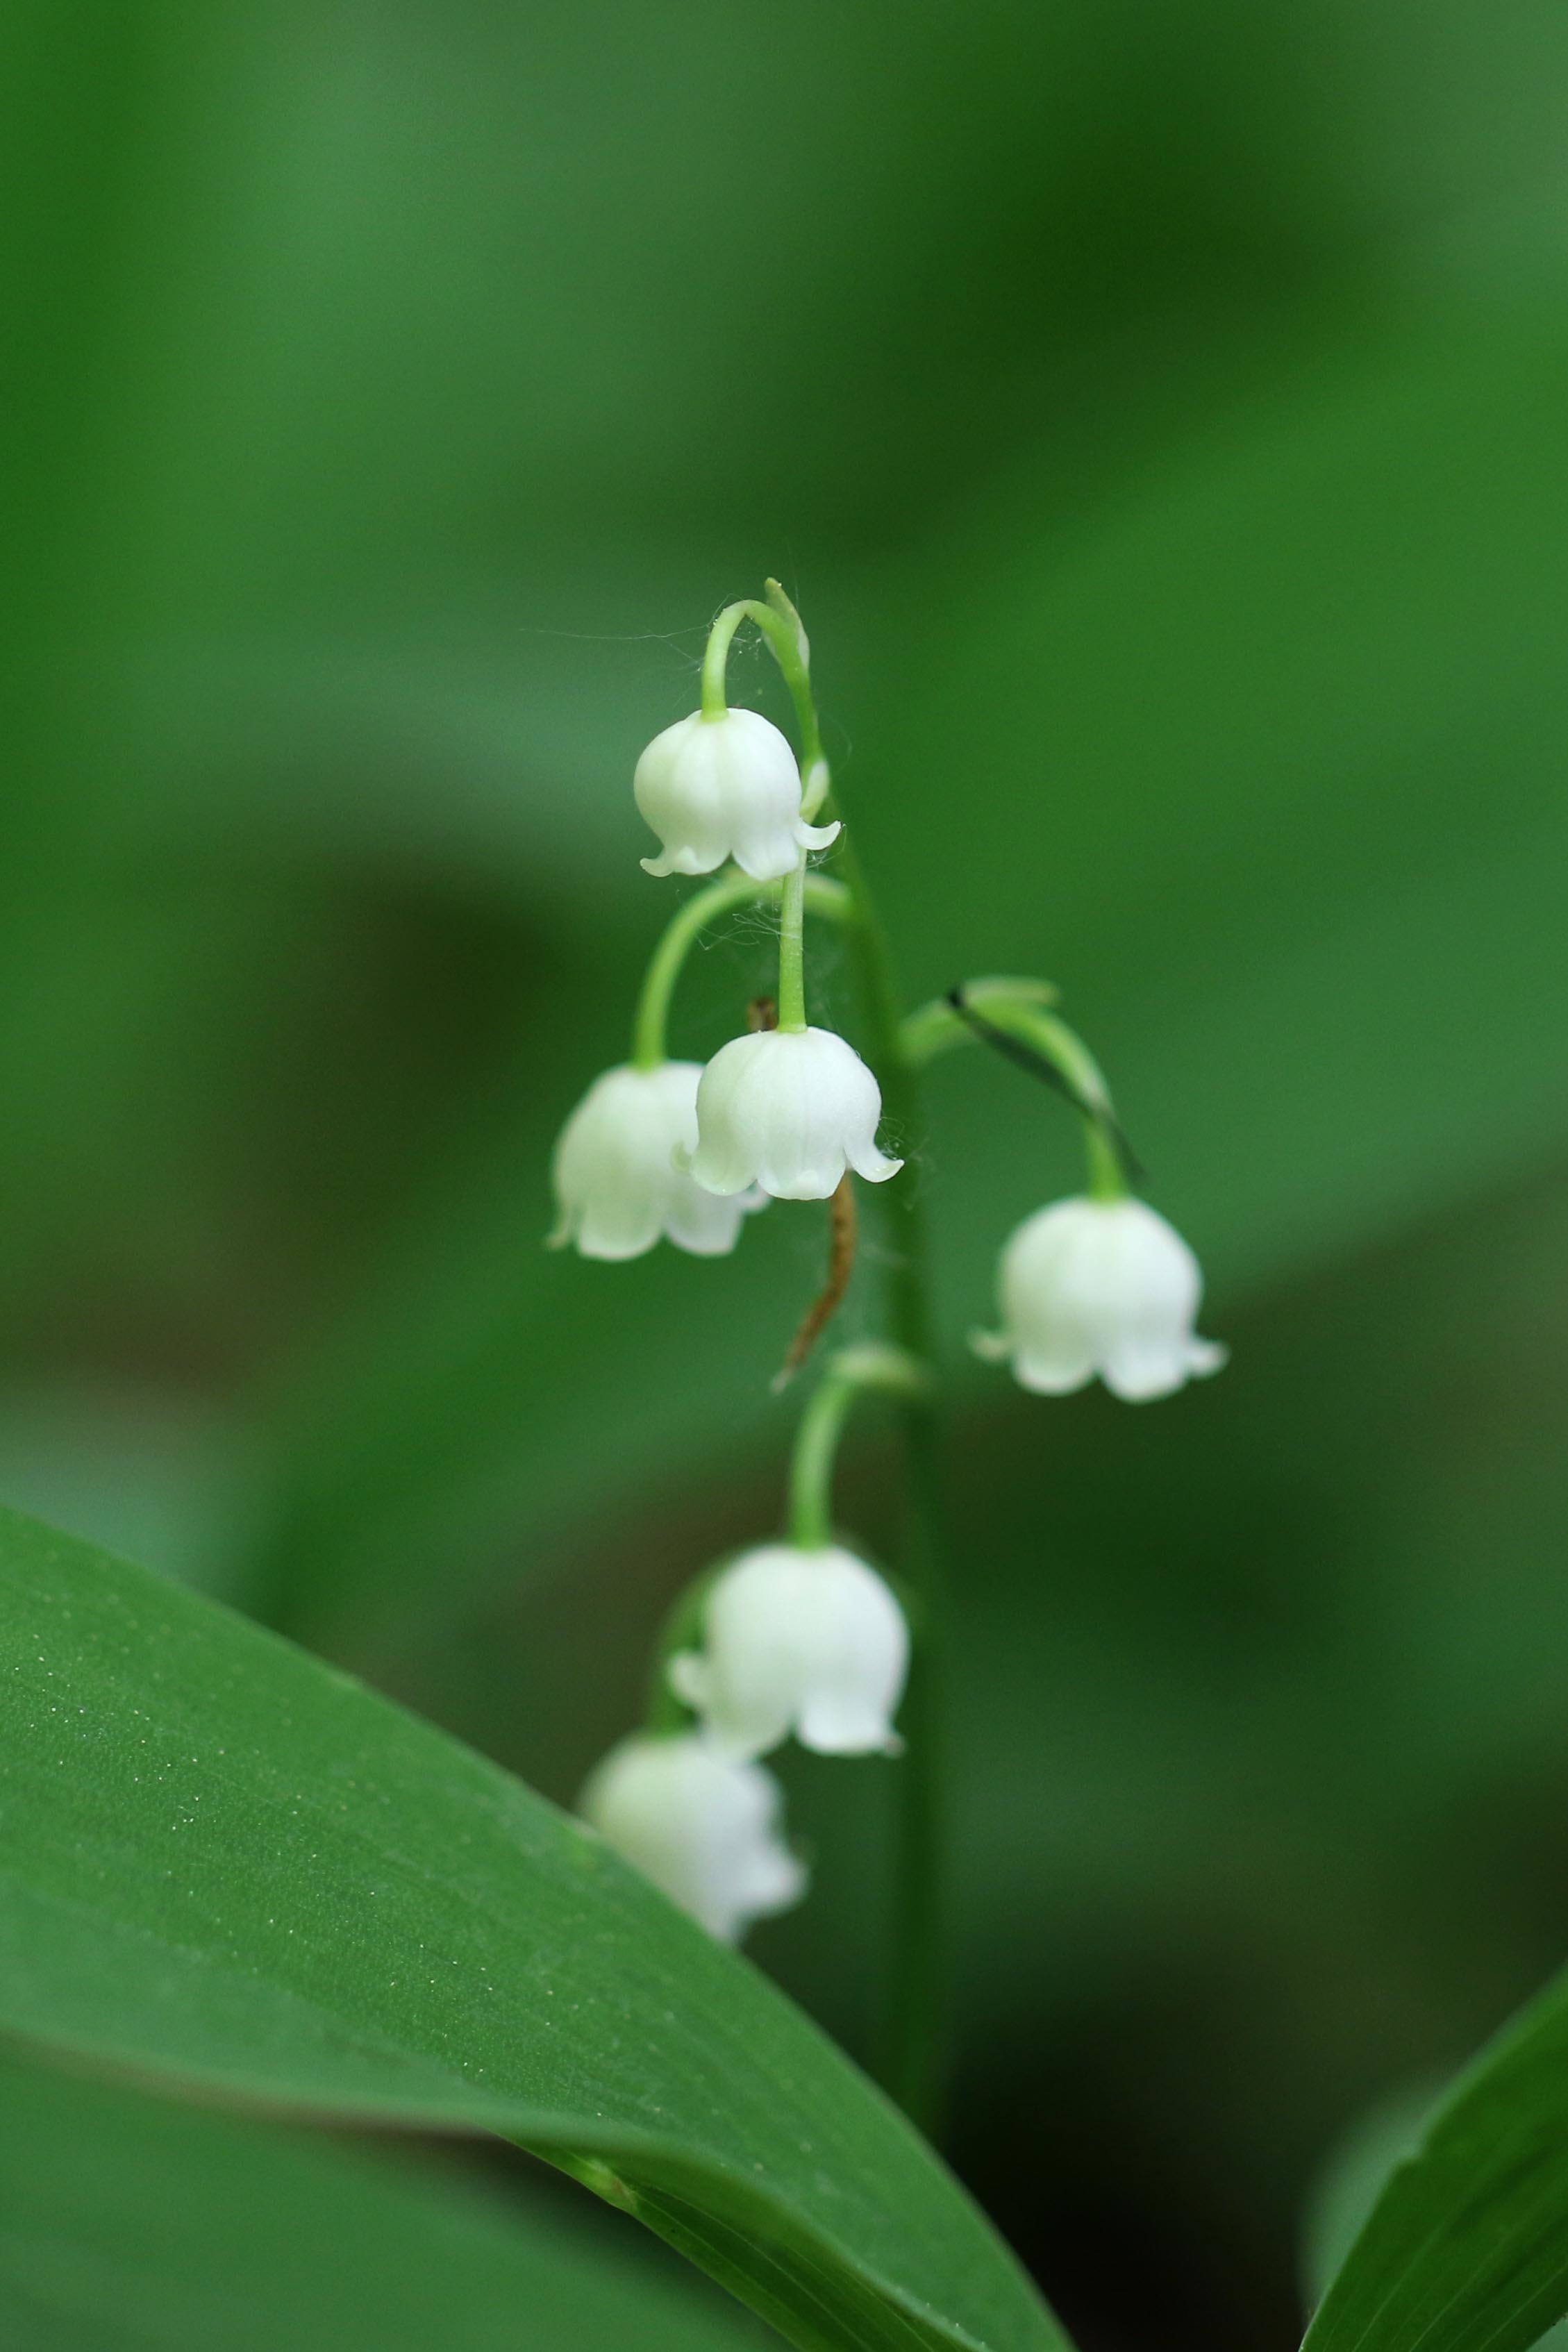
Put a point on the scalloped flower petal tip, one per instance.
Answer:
(808, 1640)
(790, 1110)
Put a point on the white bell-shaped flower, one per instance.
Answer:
(787, 1109)
(1104, 1286)
(702, 1825)
(617, 1186)
(724, 787)
(808, 1641)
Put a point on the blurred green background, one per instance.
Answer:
(1161, 414)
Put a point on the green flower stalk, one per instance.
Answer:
(802, 1637)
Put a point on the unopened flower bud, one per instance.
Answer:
(724, 787)
(1104, 1286)
(811, 1642)
(616, 1182)
(704, 1826)
(788, 1109)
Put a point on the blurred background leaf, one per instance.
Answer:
(128, 2222)
(1158, 411)
(1440, 2220)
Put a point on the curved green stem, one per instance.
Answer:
(780, 624)
(937, 1027)
(685, 926)
(1107, 1180)
(811, 1464)
(715, 659)
(856, 1372)
(1017, 1009)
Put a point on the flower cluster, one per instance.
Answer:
(666, 1147)
(804, 1638)
(795, 1639)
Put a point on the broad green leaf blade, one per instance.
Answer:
(224, 1862)
(134, 2224)
(1467, 2247)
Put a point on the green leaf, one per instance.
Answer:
(134, 2224)
(230, 1865)
(1468, 2244)
(1352, 2178)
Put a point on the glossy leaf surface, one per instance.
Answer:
(227, 1864)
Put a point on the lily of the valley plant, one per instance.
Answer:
(801, 1636)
